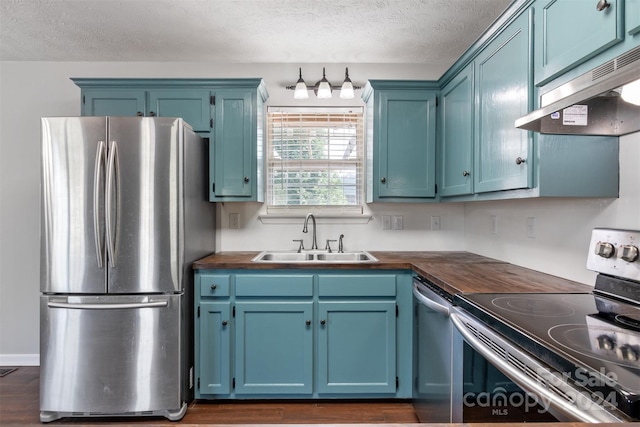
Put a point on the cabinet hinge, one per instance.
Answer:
(212, 100)
(233, 383)
(234, 315)
(436, 101)
(83, 100)
(436, 188)
(198, 383)
(198, 311)
(211, 123)
(397, 383)
(397, 310)
(213, 187)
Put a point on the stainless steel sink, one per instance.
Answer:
(316, 257)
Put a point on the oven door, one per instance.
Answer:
(542, 388)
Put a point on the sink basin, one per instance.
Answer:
(314, 257)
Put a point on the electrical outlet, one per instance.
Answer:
(234, 220)
(531, 227)
(397, 222)
(435, 222)
(493, 224)
(386, 222)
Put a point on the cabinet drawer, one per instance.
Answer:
(215, 285)
(257, 285)
(359, 285)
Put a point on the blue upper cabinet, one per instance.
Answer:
(570, 32)
(108, 102)
(234, 124)
(190, 104)
(503, 93)
(632, 16)
(401, 140)
(456, 135)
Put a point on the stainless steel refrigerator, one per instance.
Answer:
(124, 213)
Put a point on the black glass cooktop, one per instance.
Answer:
(593, 340)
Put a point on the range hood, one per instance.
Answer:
(590, 104)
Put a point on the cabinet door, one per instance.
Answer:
(569, 32)
(407, 138)
(356, 347)
(456, 141)
(274, 348)
(501, 154)
(632, 15)
(110, 102)
(214, 352)
(193, 105)
(231, 168)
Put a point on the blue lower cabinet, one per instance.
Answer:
(357, 347)
(213, 357)
(274, 348)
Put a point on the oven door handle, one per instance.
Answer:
(439, 308)
(529, 384)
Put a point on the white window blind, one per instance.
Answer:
(315, 158)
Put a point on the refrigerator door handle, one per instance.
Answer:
(113, 171)
(97, 185)
(108, 306)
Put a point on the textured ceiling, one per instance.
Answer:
(244, 31)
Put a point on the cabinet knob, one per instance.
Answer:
(139, 114)
(383, 180)
(224, 323)
(602, 5)
(214, 287)
(152, 114)
(308, 323)
(520, 161)
(465, 173)
(323, 322)
(246, 179)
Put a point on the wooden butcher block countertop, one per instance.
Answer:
(455, 272)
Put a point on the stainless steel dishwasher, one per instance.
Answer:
(438, 385)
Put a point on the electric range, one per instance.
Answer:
(587, 346)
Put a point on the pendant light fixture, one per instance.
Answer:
(301, 88)
(323, 88)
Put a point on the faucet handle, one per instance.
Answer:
(301, 247)
(328, 247)
(340, 247)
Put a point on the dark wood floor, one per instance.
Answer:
(19, 405)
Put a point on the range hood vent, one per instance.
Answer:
(590, 104)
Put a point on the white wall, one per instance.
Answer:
(29, 90)
(563, 226)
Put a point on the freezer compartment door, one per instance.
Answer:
(72, 220)
(111, 355)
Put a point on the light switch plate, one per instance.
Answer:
(386, 222)
(397, 222)
(435, 222)
(234, 220)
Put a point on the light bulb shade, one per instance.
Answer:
(346, 91)
(324, 89)
(631, 92)
(301, 91)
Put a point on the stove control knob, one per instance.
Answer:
(605, 343)
(629, 253)
(605, 249)
(626, 352)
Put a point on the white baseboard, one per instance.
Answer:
(19, 360)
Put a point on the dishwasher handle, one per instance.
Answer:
(527, 383)
(429, 303)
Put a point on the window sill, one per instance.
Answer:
(293, 218)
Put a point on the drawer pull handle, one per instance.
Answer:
(602, 5)
(383, 180)
(465, 173)
(323, 322)
(308, 323)
(214, 287)
(520, 161)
